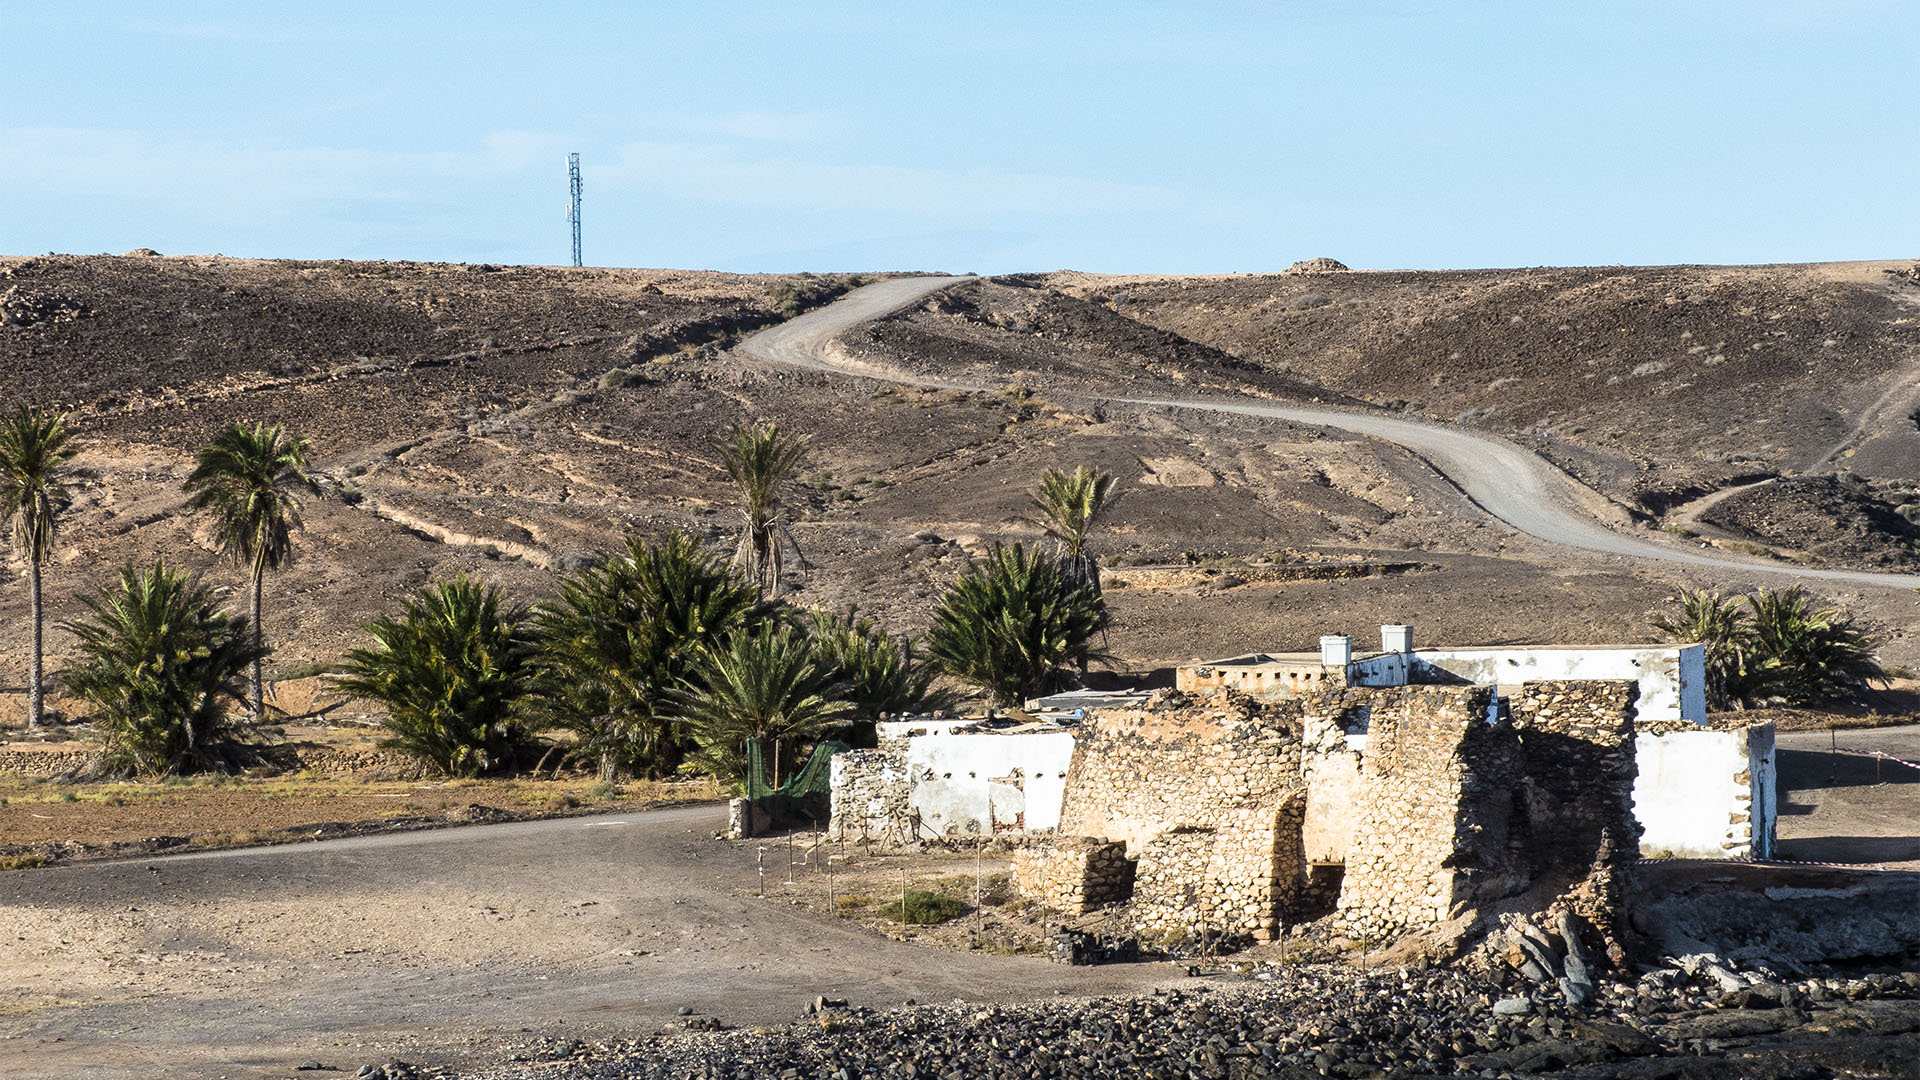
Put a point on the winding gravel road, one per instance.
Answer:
(1509, 483)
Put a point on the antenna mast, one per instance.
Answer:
(573, 202)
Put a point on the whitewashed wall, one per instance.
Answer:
(1706, 794)
(1672, 678)
(976, 784)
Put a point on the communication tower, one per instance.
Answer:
(573, 202)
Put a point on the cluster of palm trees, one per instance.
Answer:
(652, 656)
(156, 653)
(1774, 647)
(665, 653)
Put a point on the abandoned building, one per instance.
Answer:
(1672, 678)
(1400, 790)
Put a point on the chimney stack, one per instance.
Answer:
(1336, 650)
(1396, 638)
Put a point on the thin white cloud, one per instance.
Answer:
(108, 163)
(716, 174)
(132, 165)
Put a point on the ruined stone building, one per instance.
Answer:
(1395, 802)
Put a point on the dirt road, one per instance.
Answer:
(439, 947)
(1841, 803)
(1509, 483)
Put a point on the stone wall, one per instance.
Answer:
(1240, 876)
(1577, 752)
(1074, 874)
(46, 763)
(1431, 830)
(1139, 772)
(366, 764)
(871, 795)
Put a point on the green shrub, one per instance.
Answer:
(159, 665)
(925, 908)
(454, 672)
(1012, 623)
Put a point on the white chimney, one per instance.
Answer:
(1396, 638)
(1336, 650)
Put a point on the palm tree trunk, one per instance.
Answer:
(259, 697)
(609, 769)
(33, 662)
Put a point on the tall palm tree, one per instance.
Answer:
(34, 450)
(1070, 505)
(246, 479)
(761, 459)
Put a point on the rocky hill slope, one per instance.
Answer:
(512, 420)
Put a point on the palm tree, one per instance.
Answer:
(767, 684)
(1800, 654)
(760, 459)
(623, 633)
(454, 672)
(1070, 505)
(883, 673)
(246, 479)
(1718, 623)
(34, 450)
(158, 663)
(1012, 621)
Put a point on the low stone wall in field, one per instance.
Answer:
(45, 763)
(1074, 874)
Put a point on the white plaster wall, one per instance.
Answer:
(1672, 678)
(966, 783)
(1699, 794)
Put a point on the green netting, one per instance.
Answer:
(799, 795)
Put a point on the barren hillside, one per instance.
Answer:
(514, 419)
(1654, 384)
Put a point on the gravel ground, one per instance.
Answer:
(1310, 1022)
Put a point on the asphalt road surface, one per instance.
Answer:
(1508, 482)
(440, 947)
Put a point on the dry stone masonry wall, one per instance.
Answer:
(1431, 828)
(1074, 874)
(1139, 772)
(872, 795)
(1242, 876)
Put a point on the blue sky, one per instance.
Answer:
(993, 137)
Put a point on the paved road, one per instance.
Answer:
(1509, 483)
(439, 946)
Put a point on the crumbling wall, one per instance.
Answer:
(871, 796)
(1240, 876)
(1431, 830)
(1073, 874)
(981, 784)
(1577, 757)
(1137, 773)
